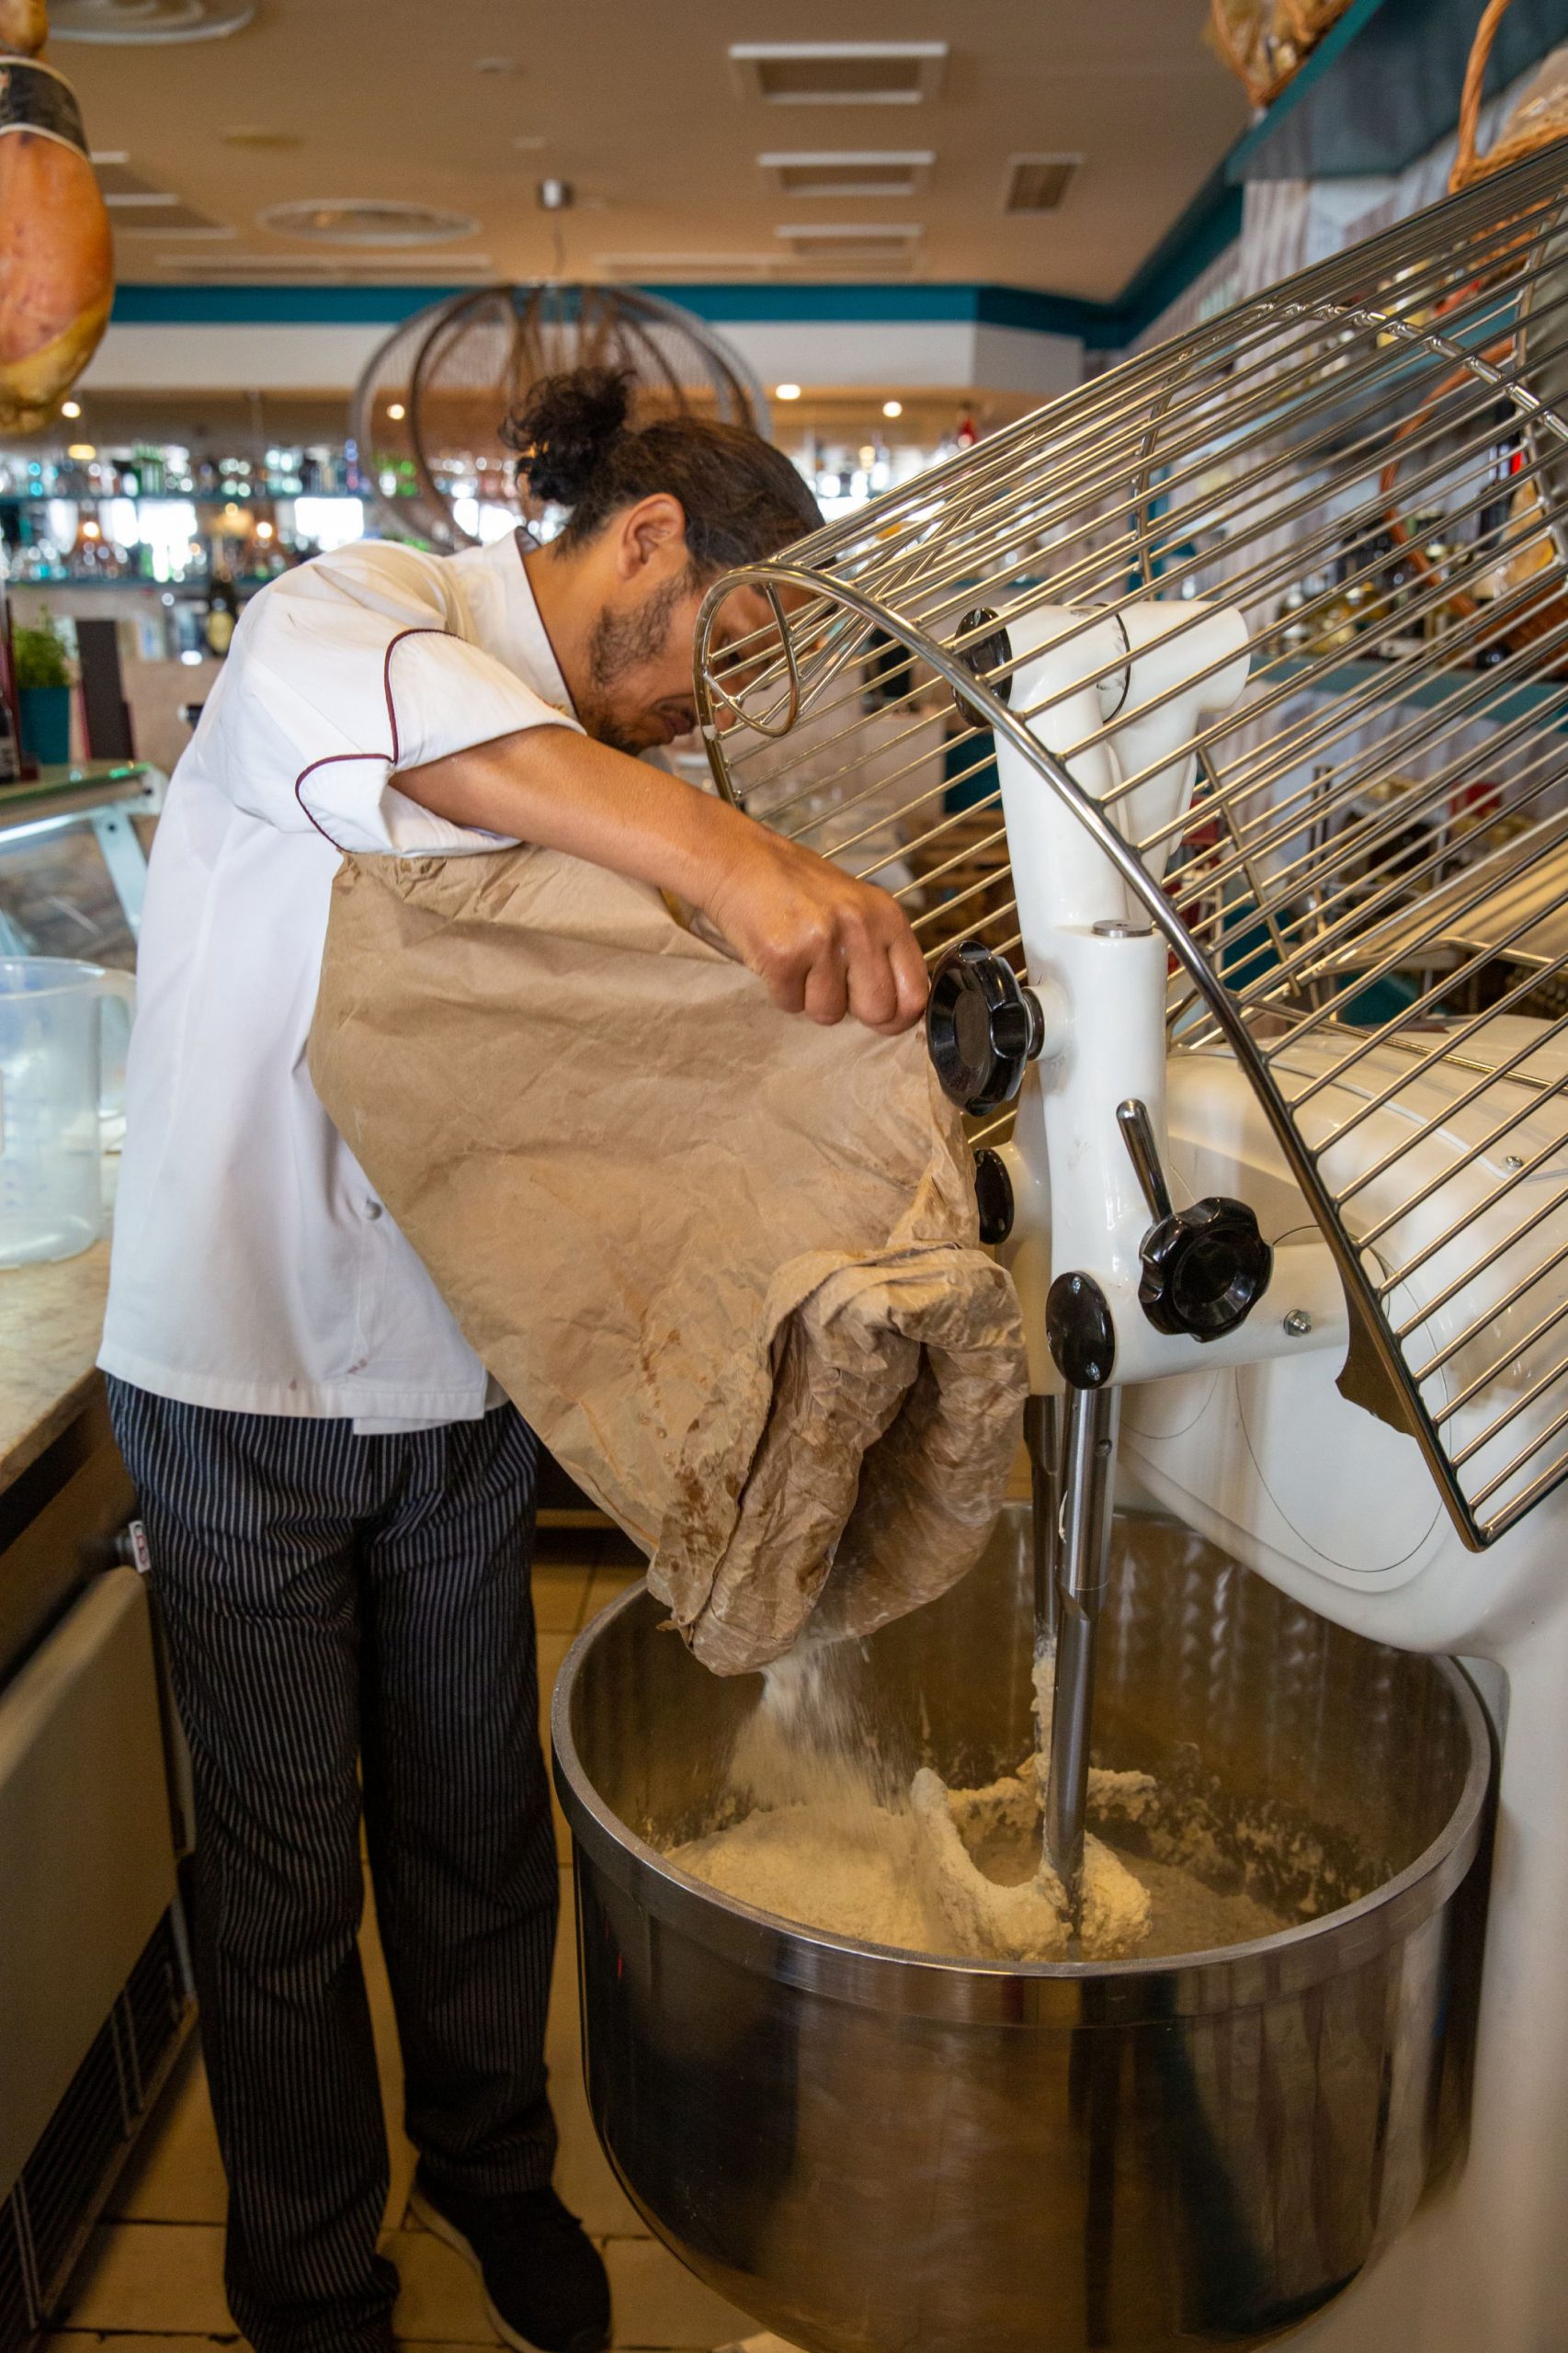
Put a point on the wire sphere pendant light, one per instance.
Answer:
(440, 388)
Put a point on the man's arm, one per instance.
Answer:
(824, 944)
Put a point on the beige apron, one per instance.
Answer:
(725, 1260)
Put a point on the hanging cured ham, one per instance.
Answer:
(56, 254)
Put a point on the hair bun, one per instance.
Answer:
(565, 429)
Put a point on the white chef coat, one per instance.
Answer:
(254, 1269)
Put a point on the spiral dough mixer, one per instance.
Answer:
(1240, 851)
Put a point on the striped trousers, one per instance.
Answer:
(351, 1631)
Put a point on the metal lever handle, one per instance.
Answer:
(1205, 1269)
(1137, 1135)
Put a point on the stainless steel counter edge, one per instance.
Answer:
(50, 1325)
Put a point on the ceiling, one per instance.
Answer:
(641, 108)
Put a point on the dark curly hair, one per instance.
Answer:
(576, 447)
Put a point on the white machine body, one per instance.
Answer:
(1249, 1440)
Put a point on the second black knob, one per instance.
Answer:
(983, 1028)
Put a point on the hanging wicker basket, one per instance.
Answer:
(1265, 42)
(1539, 122)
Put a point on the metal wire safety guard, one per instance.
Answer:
(1369, 461)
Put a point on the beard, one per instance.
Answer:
(620, 643)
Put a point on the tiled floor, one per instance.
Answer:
(152, 2277)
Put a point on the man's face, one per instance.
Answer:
(638, 691)
(640, 653)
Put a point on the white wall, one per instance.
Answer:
(936, 356)
(824, 355)
(258, 358)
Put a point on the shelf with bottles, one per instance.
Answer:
(843, 472)
(161, 513)
(157, 514)
(1452, 594)
(186, 567)
(167, 541)
(193, 589)
(168, 469)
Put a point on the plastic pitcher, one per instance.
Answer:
(52, 1102)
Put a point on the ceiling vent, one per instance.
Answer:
(653, 269)
(853, 246)
(127, 24)
(120, 183)
(167, 216)
(337, 221)
(840, 72)
(1038, 183)
(137, 206)
(849, 173)
(290, 268)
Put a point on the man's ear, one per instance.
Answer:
(654, 526)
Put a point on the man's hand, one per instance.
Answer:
(824, 944)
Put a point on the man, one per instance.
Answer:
(338, 1503)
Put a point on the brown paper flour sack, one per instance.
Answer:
(724, 1261)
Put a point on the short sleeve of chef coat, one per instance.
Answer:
(345, 672)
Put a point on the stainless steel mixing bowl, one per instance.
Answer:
(875, 2152)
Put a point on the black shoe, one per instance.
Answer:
(545, 2289)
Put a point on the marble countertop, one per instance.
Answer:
(51, 1322)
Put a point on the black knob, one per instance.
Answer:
(1205, 1268)
(1081, 1331)
(982, 1025)
(993, 1196)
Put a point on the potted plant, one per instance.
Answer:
(43, 690)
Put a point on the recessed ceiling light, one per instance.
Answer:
(839, 73)
(786, 391)
(397, 411)
(83, 452)
(354, 220)
(893, 409)
(126, 23)
(70, 408)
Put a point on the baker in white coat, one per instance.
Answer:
(340, 1503)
